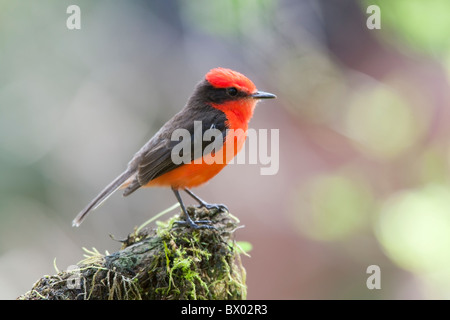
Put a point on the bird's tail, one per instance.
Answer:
(102, 196)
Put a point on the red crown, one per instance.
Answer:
(225, 78)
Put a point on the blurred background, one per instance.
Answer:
(363, 118)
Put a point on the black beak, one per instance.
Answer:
(263, 95)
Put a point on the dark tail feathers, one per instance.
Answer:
(102, 196)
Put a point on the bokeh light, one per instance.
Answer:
(416, 23)
(413, 228)
(363, 118)
(339, 207)
(382, 122)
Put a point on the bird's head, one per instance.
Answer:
(231, 92)
(234, 84)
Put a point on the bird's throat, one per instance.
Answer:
(238, 113)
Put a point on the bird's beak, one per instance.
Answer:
(262, 95)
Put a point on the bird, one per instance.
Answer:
(224, 100)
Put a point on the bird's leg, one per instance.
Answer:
(204, 204)
(189, 221)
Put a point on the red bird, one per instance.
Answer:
(224, 100)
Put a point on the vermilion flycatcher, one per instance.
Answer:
(224, 100)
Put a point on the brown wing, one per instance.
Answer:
(155, 159)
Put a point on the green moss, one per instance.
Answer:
(197, 264)
(169, 262)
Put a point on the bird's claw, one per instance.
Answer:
(219, 207)
(195, 224)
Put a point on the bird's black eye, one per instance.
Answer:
(232, 91)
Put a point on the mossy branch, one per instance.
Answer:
(169, 262)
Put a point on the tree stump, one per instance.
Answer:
(169, 262)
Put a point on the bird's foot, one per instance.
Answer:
(209, 206)
(196, 224)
